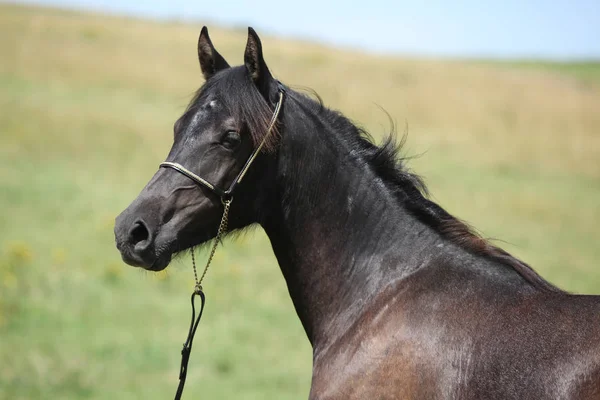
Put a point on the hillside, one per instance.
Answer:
(86, 113)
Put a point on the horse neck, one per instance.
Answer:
(339, 234)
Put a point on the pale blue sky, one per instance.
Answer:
(558, 29)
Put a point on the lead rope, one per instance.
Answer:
(187, 346)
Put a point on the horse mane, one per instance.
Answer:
(240, 95)
(412, 192)
(409, 188)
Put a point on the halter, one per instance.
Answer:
(226, 197)
(228, 194)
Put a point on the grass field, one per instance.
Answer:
(87, 104)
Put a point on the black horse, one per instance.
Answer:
(399, 299)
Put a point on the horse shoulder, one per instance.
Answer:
(380, 357)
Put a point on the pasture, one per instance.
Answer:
(86, 113)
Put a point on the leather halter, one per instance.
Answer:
(228, 193)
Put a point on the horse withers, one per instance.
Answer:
(399, 299)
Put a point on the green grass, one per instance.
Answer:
(588, 72)
(87, 104)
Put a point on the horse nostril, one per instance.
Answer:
(138, 233)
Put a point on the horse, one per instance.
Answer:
(398, 298)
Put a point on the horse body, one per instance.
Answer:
(399, 299)
(395, 310)
(408, 350)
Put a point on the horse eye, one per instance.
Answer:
(231, 140)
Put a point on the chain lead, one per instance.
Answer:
(222, 229)
(195, 273)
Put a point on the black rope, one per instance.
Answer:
(187, 346)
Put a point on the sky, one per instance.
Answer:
(550, 29)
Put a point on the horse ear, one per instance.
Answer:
(211, 61)
(255, 64)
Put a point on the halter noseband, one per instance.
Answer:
(228, 194)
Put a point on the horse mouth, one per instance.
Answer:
(154, 262)
(160, 263)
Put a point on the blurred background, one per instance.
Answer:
(501, 103)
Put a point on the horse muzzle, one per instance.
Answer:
(136, 240)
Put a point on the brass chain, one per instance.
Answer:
(222, 229)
